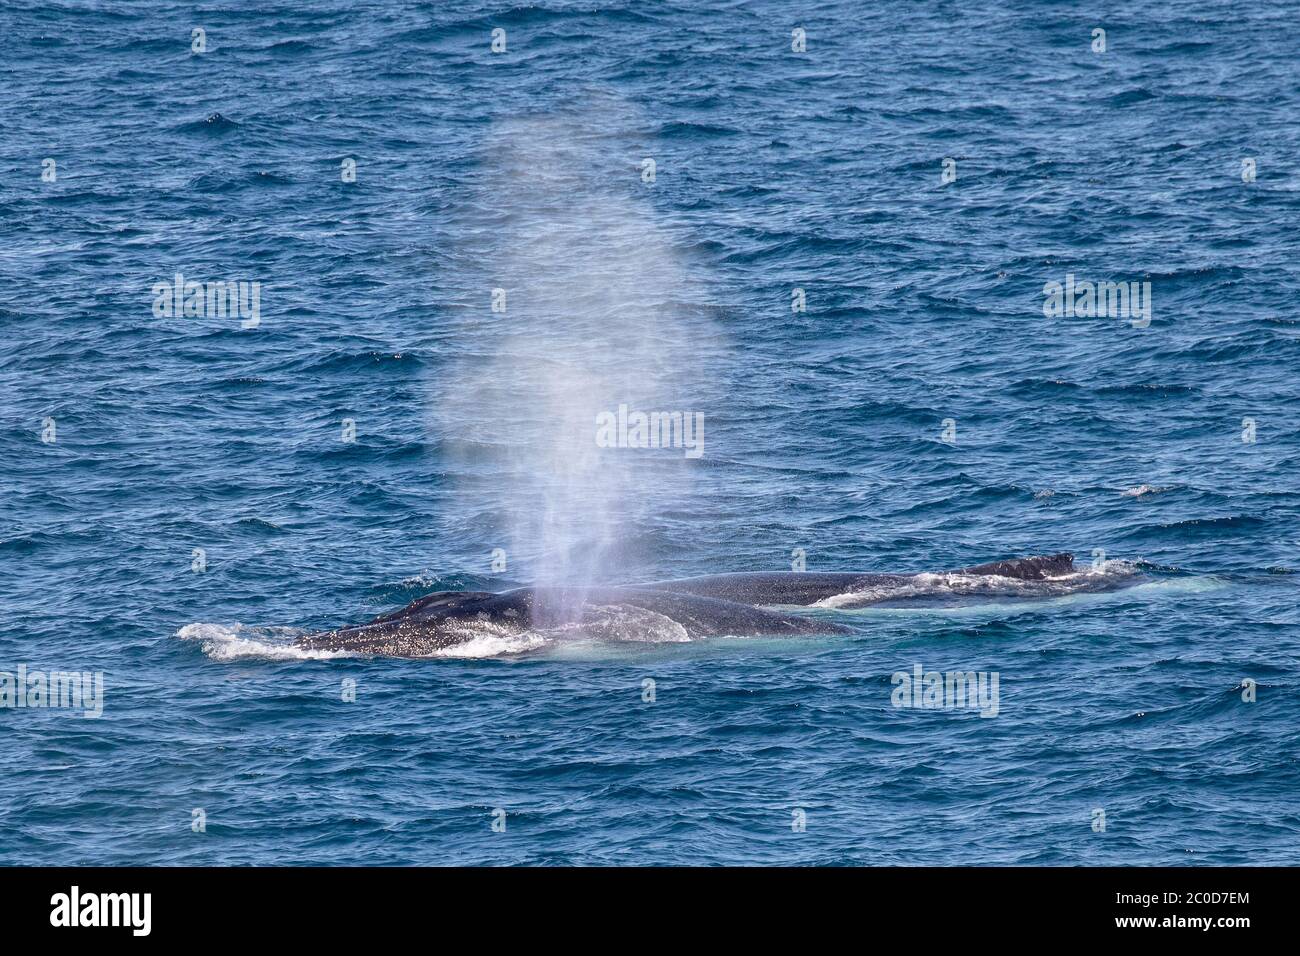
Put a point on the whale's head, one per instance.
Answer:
(430, 623)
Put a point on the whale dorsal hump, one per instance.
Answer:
(1028, 569)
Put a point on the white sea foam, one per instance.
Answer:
(223, 642)
(1141, 491)
(424, 579)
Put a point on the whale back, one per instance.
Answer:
(794, 588)
(1028, 569)
(802, 588)
(712, 605)
(449, 618)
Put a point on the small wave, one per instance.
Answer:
(214, 124)
(289, 48)
(260, 525)
(1147, 390)
(223, 642)
(1131, 96)
(1140, 491)
(687, 130)
(1194, 527)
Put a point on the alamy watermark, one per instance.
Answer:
(75, 908)
(1084, 299)
(73, 690)
(209, 300)
(626, 429)
(954, 690)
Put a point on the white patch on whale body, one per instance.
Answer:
(222, 642)
(1152, 590)
(600, 624)
(481, 637)
(489, 644)
(959, 585)
(627, 623)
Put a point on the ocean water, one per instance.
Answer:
(179, 496)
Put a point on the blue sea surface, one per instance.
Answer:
(182, 495)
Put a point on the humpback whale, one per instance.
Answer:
(740, 604)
